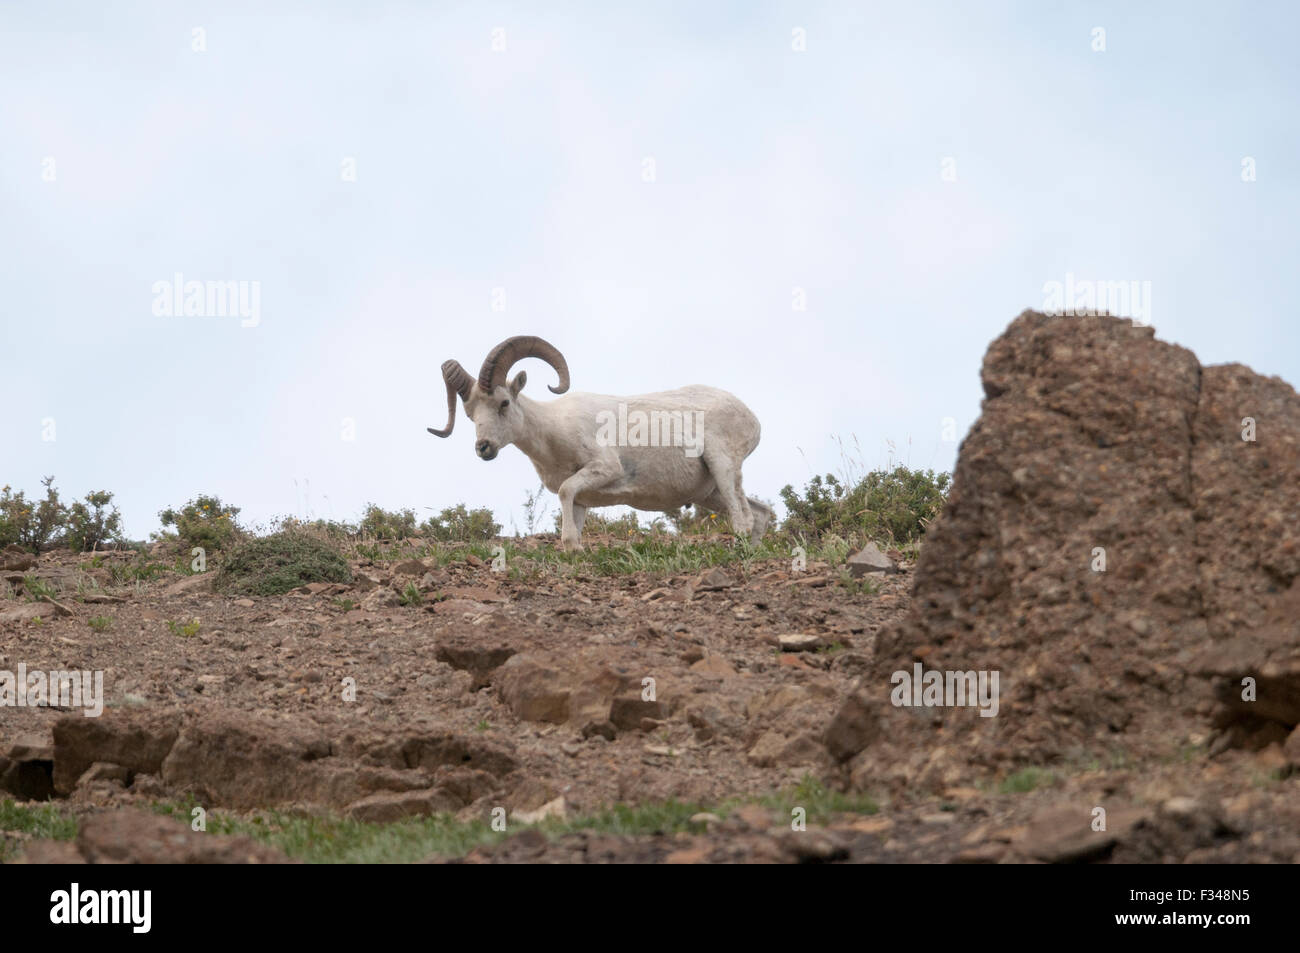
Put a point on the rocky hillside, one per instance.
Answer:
(1121, 547)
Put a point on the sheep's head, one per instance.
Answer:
(491, 401)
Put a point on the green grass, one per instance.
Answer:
(820, 802)
(42, 820)
(336, 840)
(411, 595)
(39, 589)
(651, 552)
(866, 586)
(1026, 780)
(100, 623)
(143, 570)
(329, 839)
(655, 554)
(185, 630)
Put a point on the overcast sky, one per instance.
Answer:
(654, 188)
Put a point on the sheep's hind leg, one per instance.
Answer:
(727, 478)
(763, 517)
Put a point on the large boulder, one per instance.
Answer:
(1107, 525)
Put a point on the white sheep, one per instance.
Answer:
(653, 452)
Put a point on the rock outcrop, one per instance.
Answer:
(1123, 528)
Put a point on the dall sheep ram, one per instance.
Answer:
(653, 452)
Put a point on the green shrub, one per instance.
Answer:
(378, 523)
(887, 505)
(204, 522)
(31, 524)
(92, 523)
(461, 525)
(411, 595)
(272, 565)
(329, 529)
(186, 630)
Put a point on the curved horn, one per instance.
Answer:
(458, 382)
(512, 350)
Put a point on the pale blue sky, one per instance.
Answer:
(522, 170)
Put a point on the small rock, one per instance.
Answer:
(872, 825)
(854, 726)
(688, 855)
(713, 580)
(1065, 834)
(25, 613)
(30, 747)
(16, 559)
(799, 643)
(195, 583)
(104, 771)
(100, 598)
(605, 729)
(557, 809)
(626, 711)
(713, 665)
(869, 559)
(812, 582)
(754, 816)
(983, 854)
(1291, 747)
(381, 598)
(388, 806)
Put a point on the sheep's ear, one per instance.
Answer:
(518, 383)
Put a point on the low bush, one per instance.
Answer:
(378, 523)
(204, 522)
(273, 565)
(31, 524)
(457, 524)
(889, 505)
(92, 523)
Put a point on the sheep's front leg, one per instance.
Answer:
(598, 473)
